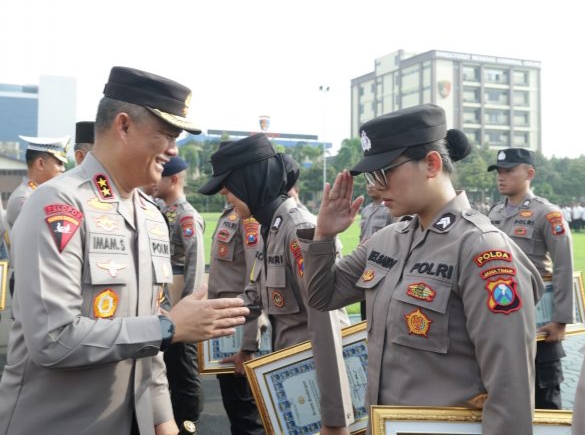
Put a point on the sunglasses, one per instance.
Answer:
(379, 175)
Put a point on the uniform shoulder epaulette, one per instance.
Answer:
(544, 201)
(478, 219)
(301, 218)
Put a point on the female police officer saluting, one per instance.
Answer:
(449, 298)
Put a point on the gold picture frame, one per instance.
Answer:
(3, 283)
(407, 420)
(284, 385)
(211, 352)
(545, 307)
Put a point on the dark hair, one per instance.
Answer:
(453, 148)
(32, 155)
(83, 146)
(108, 109)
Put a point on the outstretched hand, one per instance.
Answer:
(337, 210)
(198, 319)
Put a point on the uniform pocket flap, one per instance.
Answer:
(162, 270)
(108, 269)
(225, 235)
(424, 292)
(276, 276)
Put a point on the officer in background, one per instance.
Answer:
(188, 263)
(91, 256)
(375, 216)
(539, 229)
(84, 137)
(45, 159)
(235, 243)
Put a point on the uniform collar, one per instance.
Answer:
(446, 218)
(525, 203)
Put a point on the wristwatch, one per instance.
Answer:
(167, 329)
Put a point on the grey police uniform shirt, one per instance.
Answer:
(374, 218)
(83, 353)
(187, 245)
(235, 243)
(451, 318)
(17, 200)
(280, 289)
(540, 230)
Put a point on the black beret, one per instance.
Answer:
(386, 137)
(165, 98)
(236, 155)
(84, 132)
(174, 165)
(510, 157)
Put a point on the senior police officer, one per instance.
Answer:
(449, 298)
(83, 355)
(188, 264)
(84, 138)
(255, 179)
(539, 229)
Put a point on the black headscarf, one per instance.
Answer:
(263, 185)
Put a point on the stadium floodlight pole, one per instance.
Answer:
(324, 89)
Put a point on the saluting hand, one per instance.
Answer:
(198, 319)
(337, 211)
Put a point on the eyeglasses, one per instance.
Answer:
(379, 175)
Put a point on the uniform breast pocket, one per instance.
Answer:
(225, 245)
(419, 316)
(105, 284)
(524, 238)
(281, 298)
(370, 280)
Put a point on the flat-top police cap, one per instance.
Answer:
(57, 146)
(165, 98)
(386, 137)
(236, 155)
(511, 157)
(84, 132)
(175, 165)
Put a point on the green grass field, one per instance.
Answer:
(350, 239)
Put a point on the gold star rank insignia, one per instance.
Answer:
(103, 186)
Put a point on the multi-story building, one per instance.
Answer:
(494, 100)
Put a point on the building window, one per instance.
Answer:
(520, 139)
(520, 78)
(521, 98)
(521, 119)
(471, 95)
(496, 75)
(497, 117)
(471, 73)
(496, 96)
(472, 135)
(361, 88)
(497, 137)
(471, 116)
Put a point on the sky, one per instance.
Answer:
(248, 58)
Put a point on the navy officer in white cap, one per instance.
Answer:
(92, 255)
(449, 298)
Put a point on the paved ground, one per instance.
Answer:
(214, 420)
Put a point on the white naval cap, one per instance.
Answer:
(54, 145)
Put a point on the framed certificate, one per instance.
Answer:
(211, 352)
(3, 283)
(546, 305)
(398, 420)
(284, 385)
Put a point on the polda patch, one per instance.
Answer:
(187, 226)
(494, 271)
(418, 323)
(63, 221)
(492, 255)
(556, 222)
(251, 229)
(298, 254)
(503, 297)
